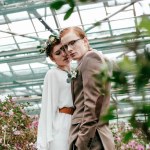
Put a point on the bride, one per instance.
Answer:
(57, 105)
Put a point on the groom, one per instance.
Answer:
(87, 131)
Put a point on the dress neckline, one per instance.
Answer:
(62, 70)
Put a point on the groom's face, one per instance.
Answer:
(75, 45)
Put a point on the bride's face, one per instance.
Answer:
(60, 56)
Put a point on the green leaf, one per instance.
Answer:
(127, 65)
(110, 114)
(97, 23)
(71, 3)
(39, 46)
(128, 136)
(68, 13)
(57, 4)
(145, 23)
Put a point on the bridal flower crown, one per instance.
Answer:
(52, 39)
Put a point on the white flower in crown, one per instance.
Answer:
(52, 39)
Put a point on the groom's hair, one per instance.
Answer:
(78, 31)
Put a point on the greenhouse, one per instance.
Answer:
(117, 29)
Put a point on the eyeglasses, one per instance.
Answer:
(71, 44)
(59, 52)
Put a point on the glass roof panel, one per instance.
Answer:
(22, 27)
(93, 15)
(20, 39)
(38, 25)
(123, 1)
(145, 7)
(112, 9)
(123, 15)
(44, 11)
(98, 31)
(6, 41)
(22, 72)
(8, 47)
(90, 6)
(29, 44)
(2, 20)
(7, 73)
(121, 31)
(122, 23)
(20, 67)
(18, 15)
(138, 9)
(73, 20)
(2, 34)
(4, 27)
(44, 34)
(37, 65)
(50, 21)
(19, 89)
(19, 92)
(40, 70)
(4, 67)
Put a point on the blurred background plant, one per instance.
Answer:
(138, 141)
(17, 129)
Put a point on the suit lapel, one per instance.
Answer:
(73, 81)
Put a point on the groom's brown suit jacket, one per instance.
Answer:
(89, 105)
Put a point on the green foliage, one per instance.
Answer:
(132, 75)
(57, 4)
(145, 24)
(71, 3)
(110, 114)
(68, 13)
(127, 136)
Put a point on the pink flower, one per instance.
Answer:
(2, 113)
(35, 124)
(17, 132)
(118, 139)
(132, 144)
(23, 116)
(11, 113)
(0, 140)
(4, 108)
(140, 147)
(4, 127)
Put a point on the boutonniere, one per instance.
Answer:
(72, 75)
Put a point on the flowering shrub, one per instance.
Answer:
(17, 129)
(122, 133)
